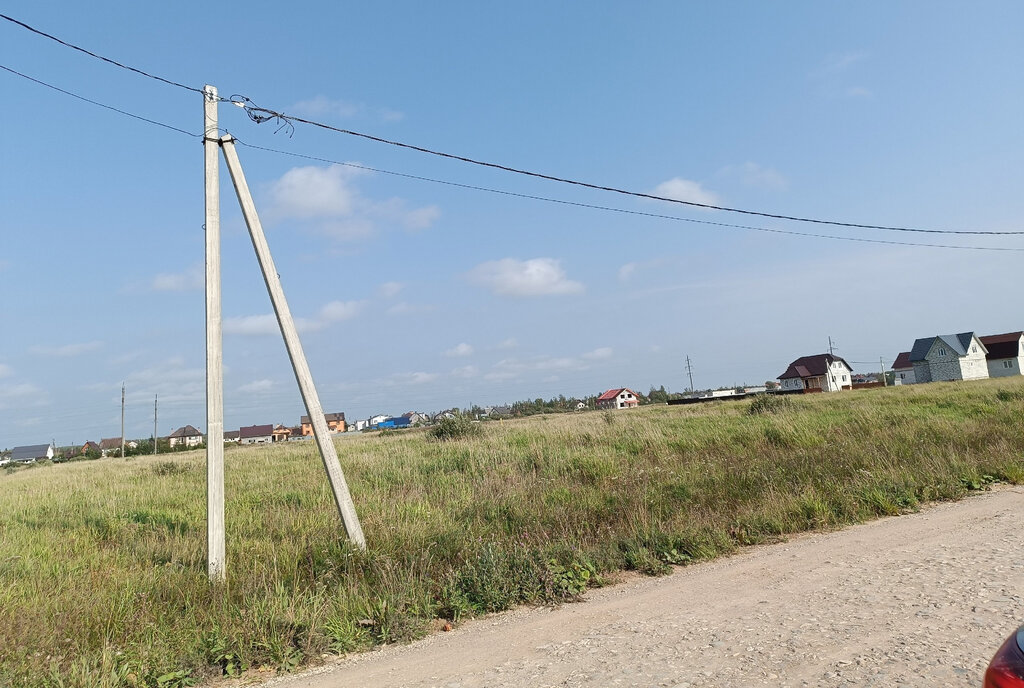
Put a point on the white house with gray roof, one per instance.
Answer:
(948, 357)
(32, 453)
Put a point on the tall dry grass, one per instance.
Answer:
(102, 564)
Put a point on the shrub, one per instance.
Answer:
(454, 428)
(769, 403)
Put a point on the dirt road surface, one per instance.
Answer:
(916, 600)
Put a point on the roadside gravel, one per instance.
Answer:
(916, 600)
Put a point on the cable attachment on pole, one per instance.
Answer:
(259, 115)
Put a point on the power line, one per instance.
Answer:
(260, 115)
(514, 194)
(624, 211)
(99, 57)
(99, 104)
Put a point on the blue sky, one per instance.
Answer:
(417, 295)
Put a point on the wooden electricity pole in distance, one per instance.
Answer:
(215, 549)
(303, 376)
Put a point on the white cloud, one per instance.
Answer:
(687, 191)
(509, 343)
(535, 277)
(840, 62)
(405, 308)
(336, 311)
(598, 354)
(327, 197)
(266, 323)
(315, 192)
(626, 271)
(418, 378)
(462, 349)
(466, 371)
(20, 395)
(757, 176)
(251, 325)
(321, 106)
(858, 92)
(257, 386)
(67, 350)
(390, 289)
(6, 370)
(192, 278)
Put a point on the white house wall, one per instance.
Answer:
(942, 363)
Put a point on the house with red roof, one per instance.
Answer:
(618, 399)
(1005, 353)
(903, 369)
(817, 373)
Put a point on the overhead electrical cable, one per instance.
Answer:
(624, 211)
(99, 104)
(260, 115)
(99, 57)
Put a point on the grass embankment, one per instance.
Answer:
(102, 564)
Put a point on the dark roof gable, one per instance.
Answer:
(809, 366)
(902, 361)
(1002, 345)
(255, 431)
(957, 343)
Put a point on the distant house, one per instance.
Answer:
(256, 434)
(817, 373)
(374, 421)
(581, 406)
(949, 357)
(416, 417)
(903, 369)
(335, 423)
(619, 398)
(399, 422)
(32, 453)
(110, 445)
(91, 447)
(281, 433)
(231, 435)
(187, 436)
(68, 452)
(1005, 353)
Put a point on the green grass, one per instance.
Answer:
(102, 563)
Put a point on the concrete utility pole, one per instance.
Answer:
(303, 376)
(122, 420)
(689, 371)
(154, 424)
(881, 364)
(830, 346)
(215, 564)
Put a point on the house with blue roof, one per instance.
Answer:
(947, 357)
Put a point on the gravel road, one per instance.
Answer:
(916, 600)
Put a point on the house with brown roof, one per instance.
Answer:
(817, 373)
(91, 447)
(1005, 353)
(231, 435)
(256, 434)
(620, 398)
(335, 423)
(281, 433)
(903, 369)
(186, 436)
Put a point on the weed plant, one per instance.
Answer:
(102, 563)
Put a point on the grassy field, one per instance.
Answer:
(102, 563)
